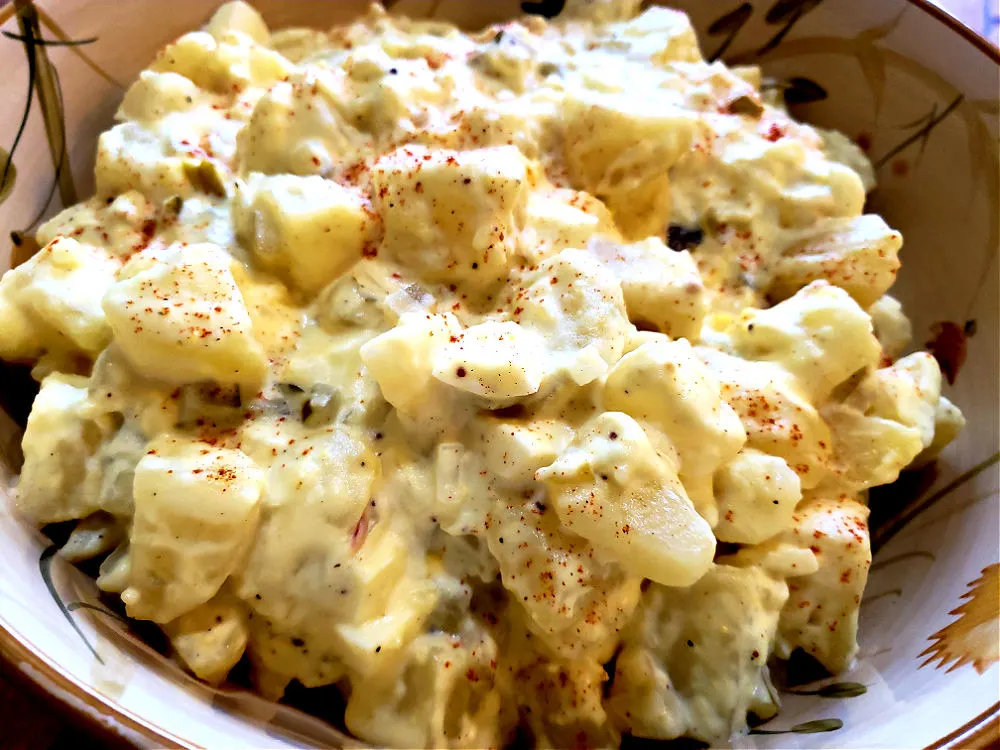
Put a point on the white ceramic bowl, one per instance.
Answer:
(909, 83)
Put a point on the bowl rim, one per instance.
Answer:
(106, 718)
(103, 716)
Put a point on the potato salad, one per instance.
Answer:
(525, 382)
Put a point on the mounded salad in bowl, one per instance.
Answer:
(522, 381)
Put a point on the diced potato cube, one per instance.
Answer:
(841, 149)
(402, 359)
(325, 606)
(561, 219)
(196, 511)
(869, 451)
(393, 107)
(496, 361)
(194, 56)
(620, 148)
(93, 536)
(452, 215)
(907, 392)
(572, 598)
(612, 488)
(53, 301)
(579, 309)
(308, 228)
(279, 656)
(211, 638)
(299, 126)
(180, 317)
(666, 384)
(757, 184)
(857, 254)
(757, 495)
(776, 415)
(891, 326)
(820, 335)
(821, 615)
(948, 422)
(662, 287)
(66, 288)
(886, 422)
(515, 449)
(238, 16)
(321, 556)
(133, 157)
(602, 127)
(567, 704)
(695, 660)
(121, 226)
(331, 466)
(21, 335)
(115, 570)
(511, 60)
(444, 694)
(154, 95)
(366, 646)
(222, 63)
(517, 122)
(59, 441)
(664, 35)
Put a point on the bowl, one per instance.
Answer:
(913, 87)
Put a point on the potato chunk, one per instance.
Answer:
(776, 415)
(515, 449)
(453, 216)
(196, 511)
(53, 301)
(180, 317)
(308, 228)
(574, 600)
(821, 615)
(60, 440)
(238, 16)
(612, 488)
(498, 362)
(580, 311)
(222, 61)
(892, 328)
(620, 149)
(299, 127)
(695, 659)
(820, 335)
(858, 254)
(662, 287)
(211, 638)
(667, 385)
(757, 495)
(402, 361)
(886, 422)
(559, 219)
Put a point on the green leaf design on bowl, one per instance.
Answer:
(7, 175)
(45, 569)
(809, 727)
(835, 690)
